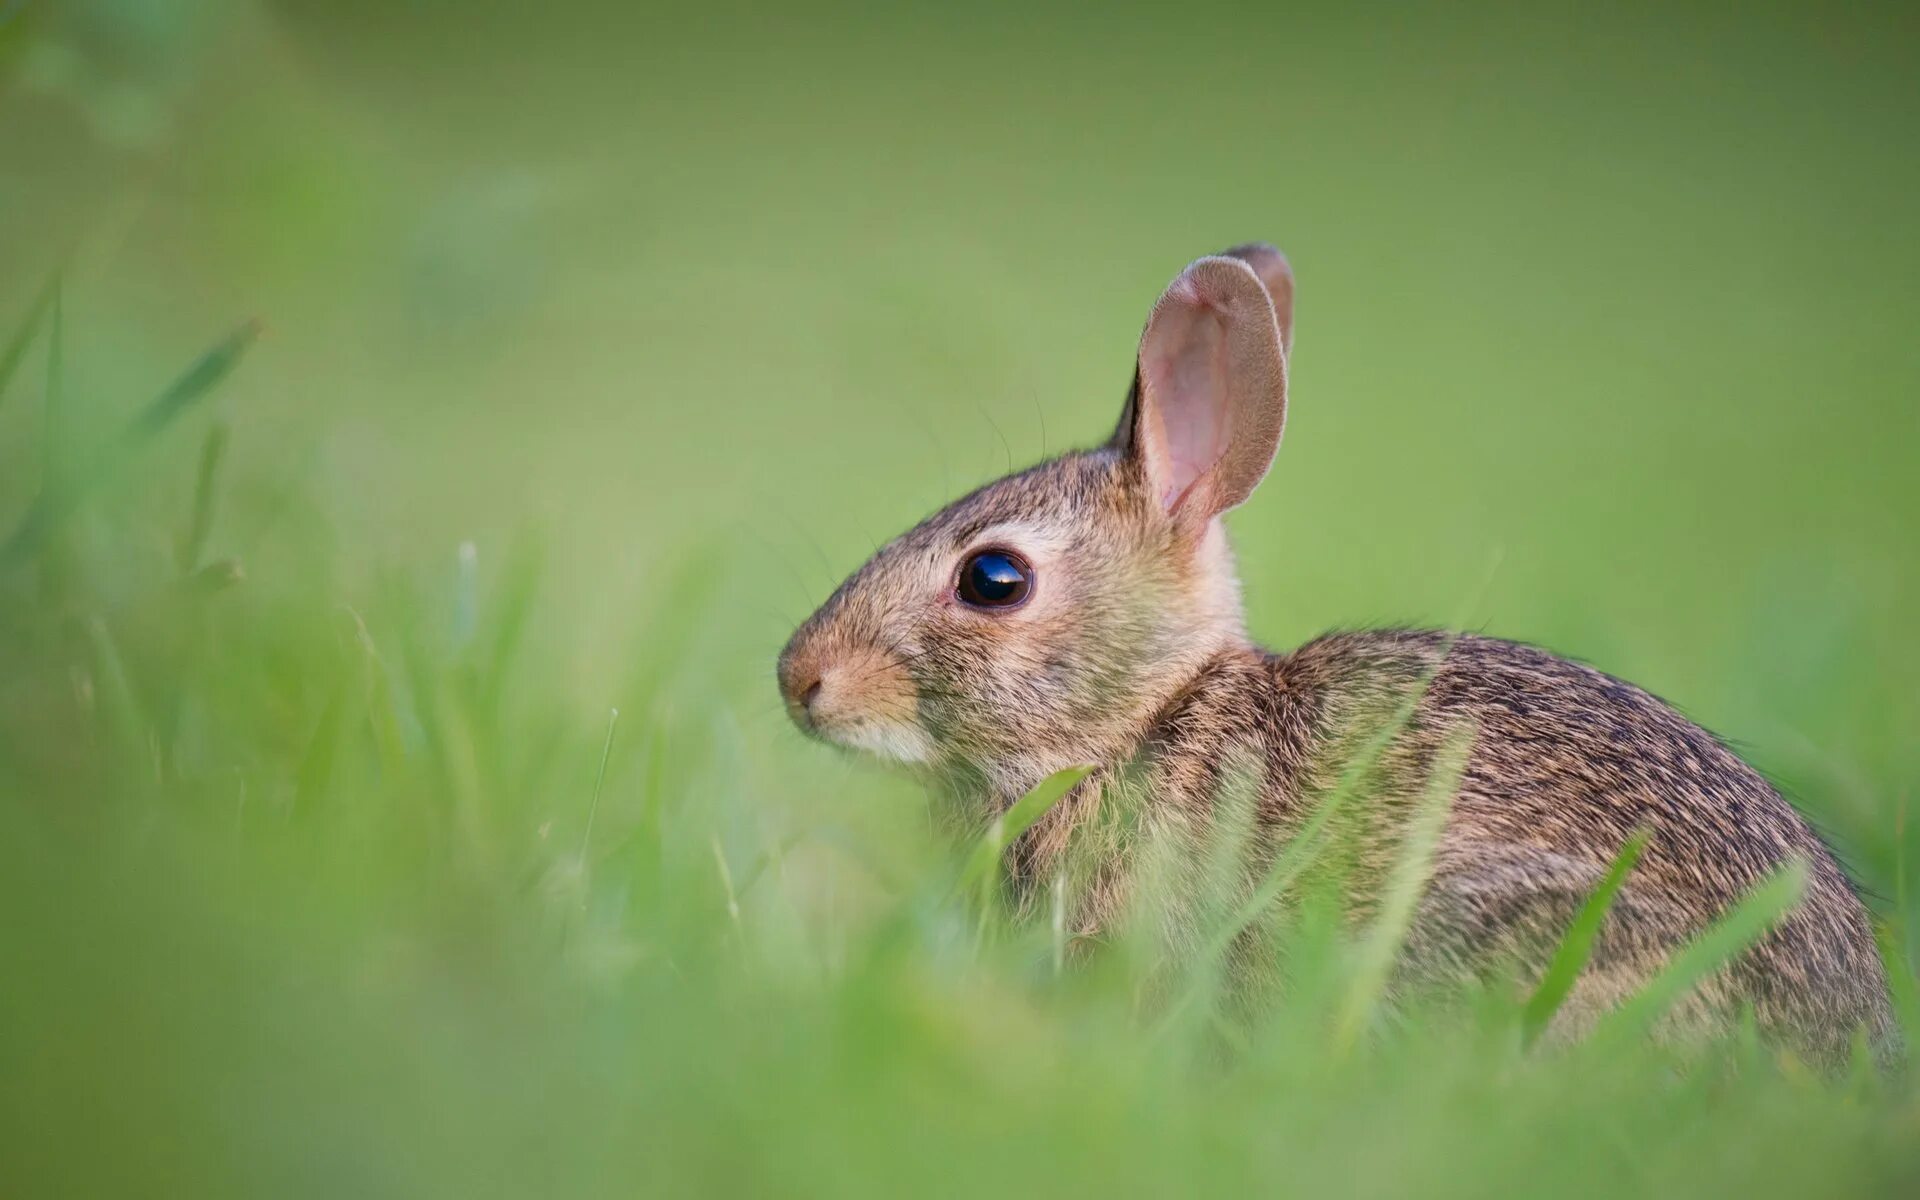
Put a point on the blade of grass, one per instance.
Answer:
(22, 339)
(53, 462)
(772, 856)
(1576, 947)
(983, 864)
(1405, 885)
(56, 502)
(448, 738)
(599, 782)
(314, 777)
(192, 386)
(1303, 850)
(726, 884)
(1300, 853)
(119, 706)
(205, 496)
(466, 595)
(1304, 847)
(382, 715)
(512, 604)
(1725, 939)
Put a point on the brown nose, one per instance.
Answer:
(799, 684)
(800, 697)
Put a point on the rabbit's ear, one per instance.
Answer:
(1209, 398)
(1276, 275)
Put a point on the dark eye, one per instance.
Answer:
(995, 579)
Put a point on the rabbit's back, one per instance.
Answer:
(1565, 764)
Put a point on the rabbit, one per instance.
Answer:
(1086, 611)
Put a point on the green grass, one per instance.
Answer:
(599, 343)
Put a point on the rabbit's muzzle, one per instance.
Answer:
(852, 695)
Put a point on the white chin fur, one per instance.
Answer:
(895, 741)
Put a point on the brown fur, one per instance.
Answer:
(1131, 655)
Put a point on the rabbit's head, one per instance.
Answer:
(1044, 619)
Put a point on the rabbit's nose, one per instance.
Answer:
(800, 680)
(801, 694)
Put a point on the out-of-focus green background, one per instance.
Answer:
(1605, 341)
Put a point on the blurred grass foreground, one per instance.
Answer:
(389, 393)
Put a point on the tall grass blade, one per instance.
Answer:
(599, 783)
(1576, 947)
(382, 714)
(1300, 853)
(1724, 940)
(119, 706)
(726, 885)
(1307, 844)
(1405, 885)
(314, 779)
(1303, 849)
(53, 448)
(515, 588)
(450, 744)
(466, 595)
(56, 502)
(205, 497)
(192, 386)
(22, 339)
(984, 863)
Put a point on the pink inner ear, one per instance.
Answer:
(1184, 368)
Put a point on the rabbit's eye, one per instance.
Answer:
(994, 579)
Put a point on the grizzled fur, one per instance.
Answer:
(1130, 654)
